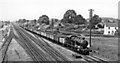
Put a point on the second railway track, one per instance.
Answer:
(6, 45)
(35, 52)
(93, 59)
(32, 50)
(51, 51)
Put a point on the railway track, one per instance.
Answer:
(91, 58)
(5, 45)
(30, 46)
(50, 50)
(31, 49)
(6, 37)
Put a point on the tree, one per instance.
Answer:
(43, 19)
(94, 21)
(22, 21)
(100, 25)
(79, 20)
(69, 16)
(33, 22)
(53, 21)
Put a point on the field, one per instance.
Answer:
(105, 47)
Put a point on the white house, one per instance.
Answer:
(110, 28)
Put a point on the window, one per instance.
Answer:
(112, 32)
(108, 27)
(116, 28)
(108, 32)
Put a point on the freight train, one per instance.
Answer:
(63, 40)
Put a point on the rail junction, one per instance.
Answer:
(38, 49)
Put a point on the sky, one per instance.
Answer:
(32, 9)
(119, 10)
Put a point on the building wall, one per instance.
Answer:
(110, 31)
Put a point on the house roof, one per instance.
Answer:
(111, 24)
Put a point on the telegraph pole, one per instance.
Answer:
(90, 19)
(52, 25)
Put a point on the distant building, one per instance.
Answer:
(110, 28)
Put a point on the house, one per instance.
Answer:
(110, 28)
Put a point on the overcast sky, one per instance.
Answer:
(33, 9)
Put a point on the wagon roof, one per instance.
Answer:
(59, 35)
